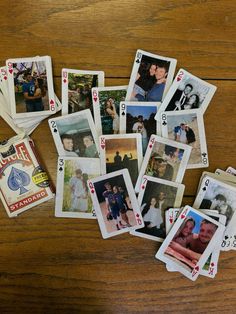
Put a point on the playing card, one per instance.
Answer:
(210, 267)
(23, 182)
(187, 127)
(139, 118)
(75, 135)
(189, 252)
(115, 203)
(231, 170)
(106, 106)
(72, 197)
(155, 197)
(214, 194)
(77, 89)
(121, 151)
(188, 92)
(30, 84)
(164, 159)
(151, 77)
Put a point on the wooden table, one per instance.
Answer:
(50, 265)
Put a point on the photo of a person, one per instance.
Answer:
(68, 145)
(79, 192)
(156, 75)
(113, 196)
(139, 127)
(191, 240)
(30, 81)
(110, 110)
(90, 147)
(180, 98)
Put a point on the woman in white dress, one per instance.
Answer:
(111, 111)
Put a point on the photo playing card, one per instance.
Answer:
(188, 92)
(155, 197)
(139, 118)
(77, 89)
(30, 84)
(231, 170)
(210, 267)
(106, 107)
(115, 203)
(151, 77)
(223, 176)
(75, 135)
(72, 196)
(164, 159)
(187, 127)
(214, 194)
(188, 253)
(23, 182)
(121, 151)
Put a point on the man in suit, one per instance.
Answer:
(216, 203)
(179, 98)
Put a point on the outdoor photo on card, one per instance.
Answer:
(77, 89)
(188, 92)
(216, 195)
(23, 182)
(155, 197)
(151, 77)
(30, 86)
(75, 135)
(72, 197)
(121, 151)
(139, 117)
(190, 242)
(115, 203)
(187, 127)
(164, 159)
(106, 106)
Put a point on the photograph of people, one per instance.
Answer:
(30, 81)
(79, 192)
(191, 240)
(90, 147)
(155, 75)
(179, 98)
(114, 203)
(109, 103)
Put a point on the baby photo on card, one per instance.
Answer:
(155, 197)
(30, 86)
(115, 203)
(77, 89)
(164, 159)
(75, 135)
(190, 242)
(139, 117)
(187, 127)
(151, 77)
(72, 197)
(106, 106)
(121, 151)
(188, 92)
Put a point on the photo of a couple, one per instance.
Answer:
(191, 240)
(151, 79)
(31, 89)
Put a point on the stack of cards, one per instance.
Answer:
(23, 182)
(26, 93)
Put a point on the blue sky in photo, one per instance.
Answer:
(144, 111)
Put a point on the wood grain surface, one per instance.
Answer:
(52, 265)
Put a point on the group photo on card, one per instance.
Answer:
(121, 151)
(188, 92)
(73, 199)
(77, 89)
(115, 203)
(30, 86)
(75, 135)
(187, 128)
(106, 106)
(155, 197)
(151, 77)
(139, 117)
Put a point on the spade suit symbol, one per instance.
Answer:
(18, 179)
